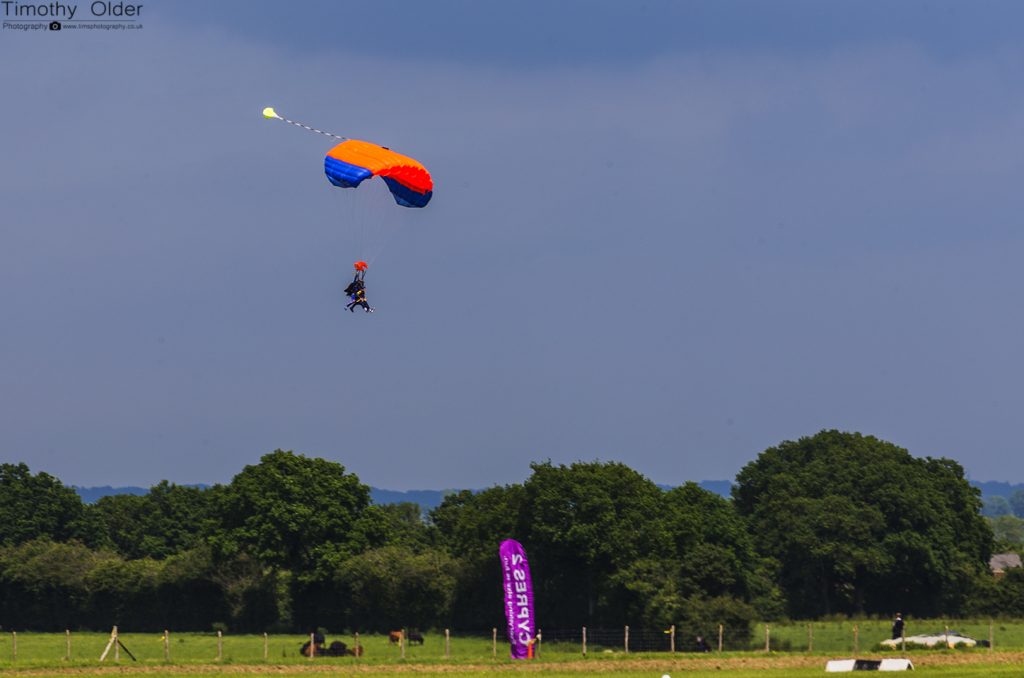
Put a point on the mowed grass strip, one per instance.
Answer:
(767, 668)
(49, 649)
(838, 636)
(831, 639)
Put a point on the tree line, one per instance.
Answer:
(998, 505)
(835, 523)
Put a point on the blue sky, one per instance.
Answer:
(669, 234)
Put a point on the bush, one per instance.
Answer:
(701, 617)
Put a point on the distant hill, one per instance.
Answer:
(996, 488)
(427, 499)
(722, 487)
(90, 495)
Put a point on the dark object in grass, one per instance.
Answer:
(335, 649)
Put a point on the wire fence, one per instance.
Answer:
(171, 647)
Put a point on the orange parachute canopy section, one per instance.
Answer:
(351, 162)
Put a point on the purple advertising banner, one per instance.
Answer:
(518, 598)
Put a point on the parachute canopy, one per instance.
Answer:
(351, 162)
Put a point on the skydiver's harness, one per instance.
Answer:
(356, 289)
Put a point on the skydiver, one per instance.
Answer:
(356, 291)
(354, 286)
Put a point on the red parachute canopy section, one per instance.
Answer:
(361, 266)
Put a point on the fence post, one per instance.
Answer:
(494, 643)
(358, 650)
(67, 644)
(220, 645)
(584, 641)
(111, 642)
(672, 638)
(312, 646)
(810, 638)
(856, 638)
(167, 645)
(540, 641)
(117, 646)
(945, 636)
(767, 639)
(266, 646)
(626, 639)
(721, 629)
(447, 645)
(401, 642)
(14, 646)
(991, 638)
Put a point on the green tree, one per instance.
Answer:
(996, 506)
(474, 523)
(701, 616)
(582, 524)
(857, 524)
(1017, 503)
(189, 593)
(606, 546)
(124, 592)
(998, 596)
(285, 524)
(51, 586)
(470, 526)
(710, 542)
(37, 506)
(168, 519)
(316, 596)
(44, 584)
(711, 559)
(1008, 532)
(400, 524)
(284, 509)
(393, 587)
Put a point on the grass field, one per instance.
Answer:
(44, 654)
(835, 636)
(736, 668)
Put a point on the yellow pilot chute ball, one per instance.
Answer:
(269, 112)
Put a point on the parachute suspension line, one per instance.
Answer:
(360, 223)
(381, 230)
(270, 113)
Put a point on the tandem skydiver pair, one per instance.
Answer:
(356, 289)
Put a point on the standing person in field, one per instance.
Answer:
(897, 627)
